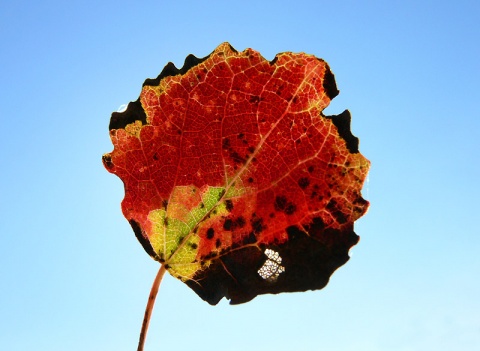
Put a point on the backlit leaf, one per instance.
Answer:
(234, 179)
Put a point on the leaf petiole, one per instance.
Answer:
(149, 308)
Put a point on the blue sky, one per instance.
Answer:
(73, 274)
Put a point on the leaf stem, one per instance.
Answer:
(149, 308)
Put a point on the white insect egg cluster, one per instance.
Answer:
(272, 268)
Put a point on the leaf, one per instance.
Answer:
(234, 179)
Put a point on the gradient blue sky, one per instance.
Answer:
(73, 276)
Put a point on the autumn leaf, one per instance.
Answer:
(234, 179)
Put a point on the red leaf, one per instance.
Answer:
(234, 179)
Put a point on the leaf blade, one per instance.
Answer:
(232, 159)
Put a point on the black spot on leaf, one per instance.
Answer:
(280, 203)
(240, 222)
(237, 158)
(290, 209)
(303, 182)
(107, 161)
(283, 205)
(254, 99)
(227, 225)
(229, 205)
(226, 143)
(257, 224)
(333, 208)
(210, 233)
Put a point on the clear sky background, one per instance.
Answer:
(74, 277)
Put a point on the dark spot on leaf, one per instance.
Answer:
(240, 222)
(237, 158)
(165, 204)
(240, 135)
(334, 209)
(257, 224)
(290, 209)
(254, 99)
(155, 156)
(193, 245)
(303, 182)
(180, 239)
(218, 243)
(280, 203)
(202, 205)
(360, 201)
(167, 266)
(227, 225)
(310, 169)
(229, 205)
(210, 233)
(107, 161)
(226, 143)
(250, 180)
(283, 205)
(316, 227)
